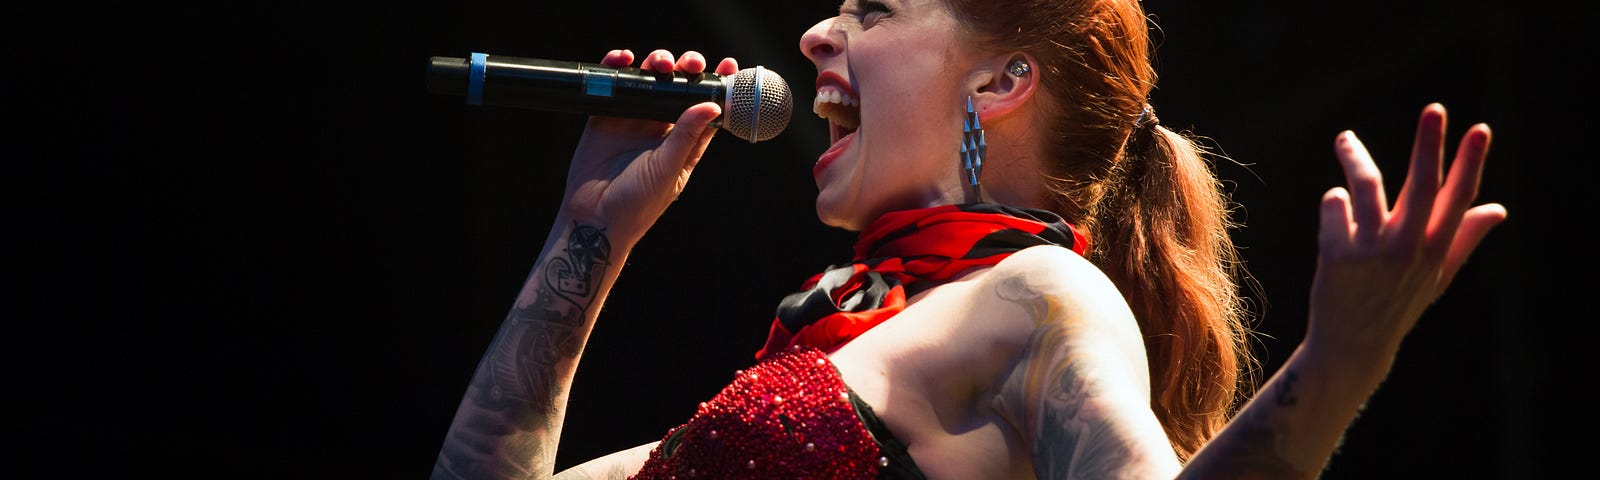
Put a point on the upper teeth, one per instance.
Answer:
(831, 94)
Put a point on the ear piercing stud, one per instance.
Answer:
(1019, 68)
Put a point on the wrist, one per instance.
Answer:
(1359, 367)
(621, 235)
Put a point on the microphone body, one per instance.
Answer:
(756, 102)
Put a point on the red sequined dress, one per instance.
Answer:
(790, 416)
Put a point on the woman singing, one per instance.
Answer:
(1043, 286)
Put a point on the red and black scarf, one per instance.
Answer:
(908, 250)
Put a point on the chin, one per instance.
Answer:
(839, 214)
(831, 218)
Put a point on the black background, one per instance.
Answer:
(244, 240)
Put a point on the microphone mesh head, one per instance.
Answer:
(759, 105)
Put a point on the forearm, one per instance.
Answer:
(1292, 426)
(509, 420)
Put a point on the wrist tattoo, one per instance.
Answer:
(1285, 391)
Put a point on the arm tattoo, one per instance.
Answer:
(1070, 442)
(535, 338)
(1252, 452)
(1286, 395)
(506, 425)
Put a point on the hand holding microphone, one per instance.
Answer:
(756, 102)
(633, 159)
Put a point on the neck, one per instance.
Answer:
(1012, 165)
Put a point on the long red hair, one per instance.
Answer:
(1155, 211)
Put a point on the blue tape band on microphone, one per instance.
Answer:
(475, 71)
(598, 82)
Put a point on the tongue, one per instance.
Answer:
(840, 140)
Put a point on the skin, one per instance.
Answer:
(624, 174)
(1379, 266)
(1048, 378)
(905, 58)
(884, 169)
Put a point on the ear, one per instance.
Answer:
(998, 90)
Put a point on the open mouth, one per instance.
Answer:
(840, 108)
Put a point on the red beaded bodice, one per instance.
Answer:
(789, 416)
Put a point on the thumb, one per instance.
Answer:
(690, 135)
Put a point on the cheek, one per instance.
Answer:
(911, 100)
(915, 120)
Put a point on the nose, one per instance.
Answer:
(820, 43)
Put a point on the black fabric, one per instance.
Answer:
(907, 251)
(901, 466)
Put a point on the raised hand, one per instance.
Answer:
(1378, 267)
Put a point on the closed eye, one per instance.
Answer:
(871, 11)
(865, 13)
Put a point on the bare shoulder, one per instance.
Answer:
(1075, 311)
(1068, 284)
(1079, 390)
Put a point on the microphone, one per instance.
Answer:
(756, 102)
